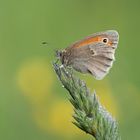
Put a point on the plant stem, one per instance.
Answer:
(90, 116)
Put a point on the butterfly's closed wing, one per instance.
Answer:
(93, 54)
(103, 56)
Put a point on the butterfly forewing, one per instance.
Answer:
(94, 54)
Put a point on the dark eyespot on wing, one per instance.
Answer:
(92, 52)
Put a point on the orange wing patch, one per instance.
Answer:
(87, 42)
(110, 43)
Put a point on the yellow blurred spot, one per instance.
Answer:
(35, 79)
(60, 120)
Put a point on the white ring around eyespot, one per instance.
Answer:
(106, 41)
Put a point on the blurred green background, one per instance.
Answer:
(33, 104)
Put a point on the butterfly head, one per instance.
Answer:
(61, 55)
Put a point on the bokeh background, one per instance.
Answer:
(33, 104)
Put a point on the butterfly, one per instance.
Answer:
(94, 54)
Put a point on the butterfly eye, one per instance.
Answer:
(105, 40)
(58, 53)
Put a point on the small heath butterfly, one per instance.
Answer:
(93, 54)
